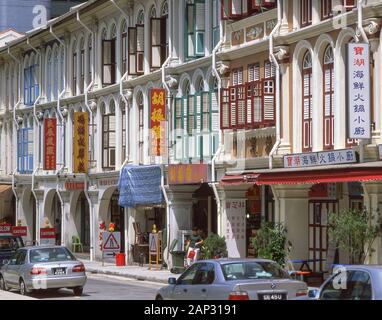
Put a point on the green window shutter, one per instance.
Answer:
(190, 31)
(206, 125)
(199, 16)
(178, 126)
(185, 128)
(198, 124)
(215, 120)
(191, 126)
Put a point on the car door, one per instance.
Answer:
(361, 286)
(202, 282)
(338, 287)
(182, 290)
(10, 274)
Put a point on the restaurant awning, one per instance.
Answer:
(321, 176)
(239, 179)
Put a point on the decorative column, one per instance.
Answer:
(292, 209)
(95, 251)
(65, 214)
(39, 195)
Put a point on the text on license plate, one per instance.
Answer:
(59, 271)
(273, 296)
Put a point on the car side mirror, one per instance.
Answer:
(172, 281)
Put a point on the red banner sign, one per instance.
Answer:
(71, 185)
(50, 133)
(158, 122)
(188, 174)
(20, 231)
(47, 233)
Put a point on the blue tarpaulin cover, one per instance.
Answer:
(140, 185)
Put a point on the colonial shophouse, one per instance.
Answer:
(253, 89)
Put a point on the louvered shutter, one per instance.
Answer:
(191, 126)
(241, 107)
(225, 107)
(140, 48)
(132, 50)
(190, 24)
(179, 128)
(156, 41)
(199, 27)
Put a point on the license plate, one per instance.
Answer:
(272, 296)
(59, 271)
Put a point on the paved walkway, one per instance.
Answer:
(6, 295)
(133, 272)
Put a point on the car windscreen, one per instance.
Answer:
(253, 270)
(50, 255)
(10, 243)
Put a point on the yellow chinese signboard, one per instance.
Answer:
(81, 142)
(158, 122)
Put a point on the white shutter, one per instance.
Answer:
(215, 120)
(156, 43)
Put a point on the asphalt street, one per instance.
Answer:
(105, 287)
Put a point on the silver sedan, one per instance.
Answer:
(43, 267)
(233, 279)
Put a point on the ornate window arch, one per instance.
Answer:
(307, 102)
(328, 97)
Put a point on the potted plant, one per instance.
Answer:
(270, 242)
(214, 247)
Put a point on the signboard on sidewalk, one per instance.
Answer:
(47, 236)
(235, 227)
(19, 231)
(111, 243)
(358, 91)
(5, 229)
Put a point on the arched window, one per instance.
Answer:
(62, 69)
(90, 59)
(25, 146)
(124, 125)
(82, 66)
(7, 86)
(328, 103)
(159, 37)
(55, 73)
(307, 102)
(195, 28)
(124, 48)
(136, 46)
(141, 124)
(153, 12)
(74, 68)
(31, 79)
(49, 75)
(108, 57)
(109, 138)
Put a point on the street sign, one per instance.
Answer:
(111, 243)
(153, 243)
(47, 236)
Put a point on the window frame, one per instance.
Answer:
(328, 129)
(106, 147)
(326, 9)
(111, 64)
(307, 136)
(305, 13)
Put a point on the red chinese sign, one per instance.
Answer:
(158, 122)
(50, 133)
(81, 142)
(19, 231)
(188, 174)
(71, 185)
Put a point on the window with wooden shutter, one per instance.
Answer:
(269, 104)
(326, 9)
(179, 129)
(307, 103)
(306, 12)
(225, 114)
(132, 50)
(195, 29)
(349, 4)
(124, 48)
(140, 129)
(215, 23)
(238, 9)
(108, 62)
(158, 42)
(74, 70)
(108, 141)
(328, 84)
(82, 67)
(140, 48)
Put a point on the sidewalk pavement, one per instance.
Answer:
(133, 272)
(6, 295)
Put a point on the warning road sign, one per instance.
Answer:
(111, 242)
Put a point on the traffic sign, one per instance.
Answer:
(111, 242)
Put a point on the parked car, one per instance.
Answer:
(233, 279)
(356, 282)
(8, 247)
(43, 267)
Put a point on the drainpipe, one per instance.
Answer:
(63, 125)
(15, 132)
(274, 60)
(221, 146)
(38, 165)
(362, 142)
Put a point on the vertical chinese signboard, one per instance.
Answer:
(358, 91)
(158, 122)
(81, 142)
(50, 131)
(235, 225)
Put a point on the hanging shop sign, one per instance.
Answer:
(158, 122)
(47, 236)
(320, 158)
(188, 174)
(19, 231)
(81, 142)
(358, 91)
(5, 229)
(50, 134)
(235, 233)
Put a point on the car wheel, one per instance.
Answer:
(3, 285)
(158, 297)
(78, 291)
(23, 289)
